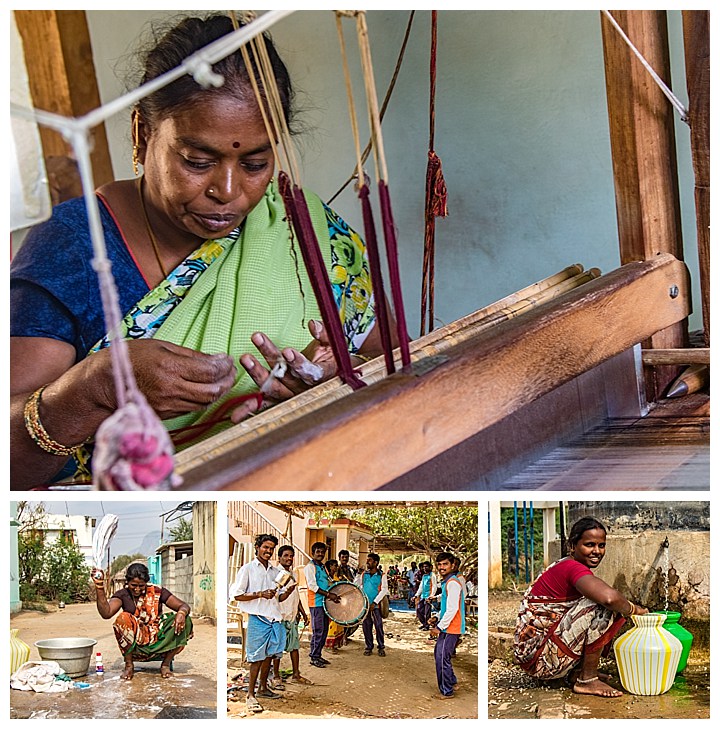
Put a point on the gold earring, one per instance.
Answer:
(135, 140)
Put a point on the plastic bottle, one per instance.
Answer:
(99, 669)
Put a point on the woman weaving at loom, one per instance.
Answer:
(569, 617)
(206, 266)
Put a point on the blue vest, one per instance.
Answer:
(371, 584)
(323, 583)
(425, 587)
(457, 624)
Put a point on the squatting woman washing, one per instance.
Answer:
(142, 630)
(569, 617)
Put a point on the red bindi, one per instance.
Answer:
(236, 144)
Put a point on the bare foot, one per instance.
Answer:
(127, 674)
(165, 671)
(576, 674)
(596, 687)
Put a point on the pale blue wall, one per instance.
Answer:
(521, 130)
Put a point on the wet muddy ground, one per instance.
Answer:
(190, 693)
(512, 694)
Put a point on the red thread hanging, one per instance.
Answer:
(376, 276)
(299, 215)
(435, 200)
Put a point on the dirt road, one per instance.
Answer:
(400, 686)
(191, 692)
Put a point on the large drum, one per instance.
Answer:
(353, 605)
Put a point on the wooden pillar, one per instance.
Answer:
(495, 572)
(696, 33)
(61, 75)
(642, 139)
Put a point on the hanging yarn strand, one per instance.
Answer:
(435, 201)
(133, 451)
(371, 244)
(299, 215)
(388, 223)
(388, 94)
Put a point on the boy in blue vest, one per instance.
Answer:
(450, 626)
(374, 584)
(318, 584)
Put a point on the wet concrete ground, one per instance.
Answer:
(190, 693)
(514, 695)
(147, 696)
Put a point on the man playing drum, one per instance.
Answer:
(318, 584)
(375, 586)
(256, 588)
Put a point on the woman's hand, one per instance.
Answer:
(180, 617)
(315, 364)
(98, 578)
(174, 379)
(640, 610)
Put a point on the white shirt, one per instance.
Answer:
(289, 606)
(253, 577)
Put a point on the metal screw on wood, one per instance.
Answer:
(674, 292)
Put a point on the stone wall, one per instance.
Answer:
(638, 565)
(204, 575)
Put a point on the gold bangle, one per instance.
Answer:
(37, 432)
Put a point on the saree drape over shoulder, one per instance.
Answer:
(252, 280)
(552, 634)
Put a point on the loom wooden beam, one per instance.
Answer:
(696, 32)
(695, 355)
(376, 434)
(62, 78)
(642, 141)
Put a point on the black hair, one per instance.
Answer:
(583, 525)
(260, 538)
(442, 556)
(331, 563)
(342, 552)
(317, 545)
(137, 571)
(375, 557)
(171, 47)
(285, 548)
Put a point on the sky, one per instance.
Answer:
(136, 519)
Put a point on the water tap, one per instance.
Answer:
(666, 543)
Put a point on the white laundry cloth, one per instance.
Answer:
(39, 676)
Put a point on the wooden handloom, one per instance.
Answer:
(495, 390)
(466, 378)
(477, 405)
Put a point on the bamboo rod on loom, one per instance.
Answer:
(429, 345)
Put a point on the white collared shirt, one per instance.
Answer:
(253, 577)
(289, 606)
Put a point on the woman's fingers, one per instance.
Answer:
(178, 380)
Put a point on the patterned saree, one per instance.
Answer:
(552, 634)
(149, 634)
